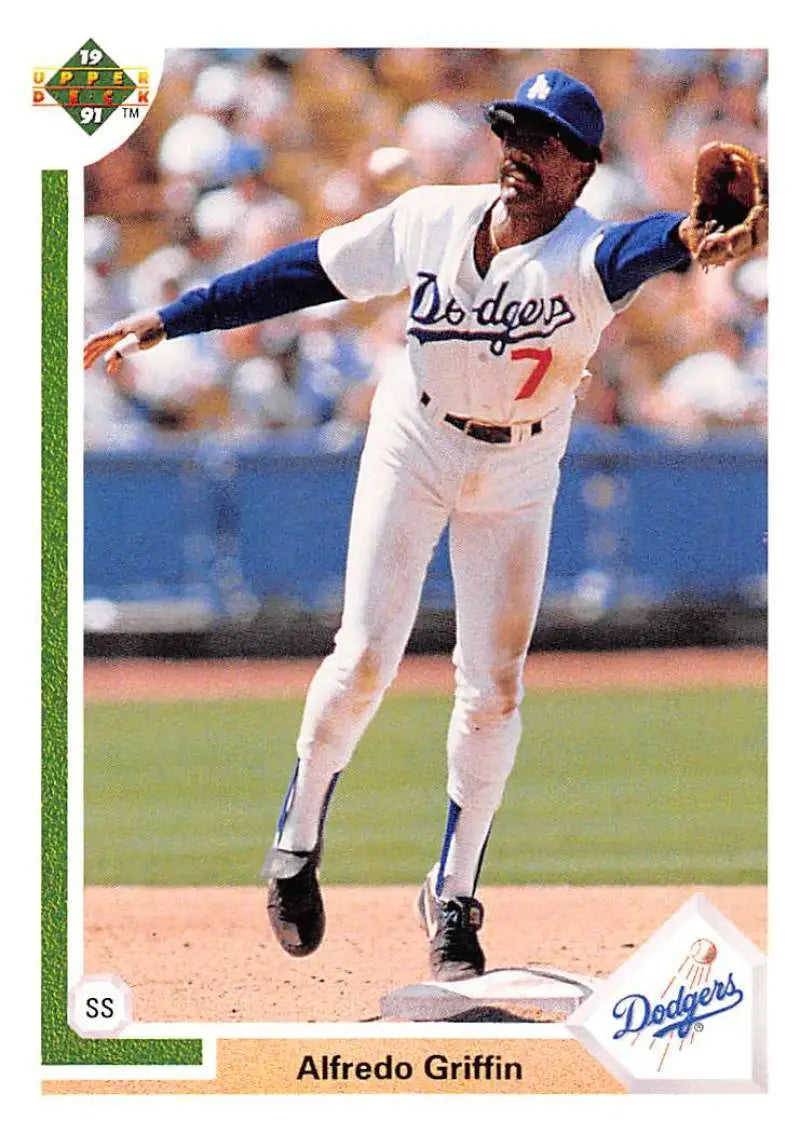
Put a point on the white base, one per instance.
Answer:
(547, 989)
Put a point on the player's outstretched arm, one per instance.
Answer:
(729, 218)
(135, 333)
(286, 280)
(632, 252)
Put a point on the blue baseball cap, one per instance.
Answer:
(566, 104)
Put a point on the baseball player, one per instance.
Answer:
(510, 287)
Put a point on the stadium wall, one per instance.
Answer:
(656, 537)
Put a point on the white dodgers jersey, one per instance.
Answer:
(508, 348)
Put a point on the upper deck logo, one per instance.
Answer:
(686, 1012)
(91, 86)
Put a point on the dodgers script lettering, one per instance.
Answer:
(498, 320)
(681, 1013)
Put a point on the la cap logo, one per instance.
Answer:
(539, 88)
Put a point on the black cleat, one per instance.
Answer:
(294, 900)
(452, 926)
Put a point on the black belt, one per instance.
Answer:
(481, 431)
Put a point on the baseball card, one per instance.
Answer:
(403, 564)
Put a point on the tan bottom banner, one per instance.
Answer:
(270, 1067)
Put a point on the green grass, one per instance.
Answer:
(623, 787)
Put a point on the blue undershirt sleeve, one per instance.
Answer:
(287, 280)
(632, 252)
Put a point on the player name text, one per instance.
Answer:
(436, 1066)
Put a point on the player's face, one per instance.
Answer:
(538, 169)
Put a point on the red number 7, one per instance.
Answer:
(531, 383)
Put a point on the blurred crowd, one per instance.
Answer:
(246, 151)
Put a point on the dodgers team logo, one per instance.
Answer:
(499, 320)
(539, 88)
(686, 1012)
(694, 993)
(91, 86)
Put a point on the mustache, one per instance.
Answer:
(515, 165)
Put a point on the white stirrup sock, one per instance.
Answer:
(300, 827)
(466, 835)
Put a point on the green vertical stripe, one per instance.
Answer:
(54, 609)
(60, 1045)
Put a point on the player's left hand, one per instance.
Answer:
(730, 205)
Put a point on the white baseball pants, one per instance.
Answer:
(417, 473)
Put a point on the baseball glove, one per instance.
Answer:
(730, 204)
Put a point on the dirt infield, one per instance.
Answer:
(139, 679)
(205, 954)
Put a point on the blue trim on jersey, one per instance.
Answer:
(286, 280)
(498, 340)
(632, 252)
